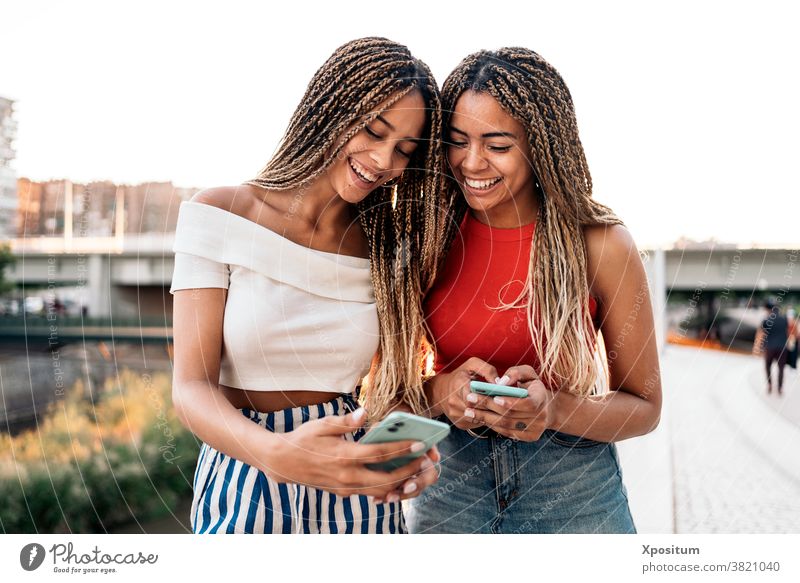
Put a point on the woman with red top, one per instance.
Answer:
(536, 273)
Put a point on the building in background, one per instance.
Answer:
(152, 207)
(61, 208)
(31, 197)
(8, 177)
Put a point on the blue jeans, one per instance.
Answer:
(558, 484)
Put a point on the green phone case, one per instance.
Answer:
(496, 390)
(399, 426)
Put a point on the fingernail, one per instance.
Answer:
(499, 401)
(426, 465)
(497, 380)
(410, 487)
(472, 398)
(358, 414)
(418, 446)
(392, 498)
(504, 379)
(469, 413)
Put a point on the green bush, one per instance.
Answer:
(100, 462)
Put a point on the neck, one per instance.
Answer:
(318, 206)
(511, 214)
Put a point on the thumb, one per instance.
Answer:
(506, 379)
(518, 374)
(338, 425)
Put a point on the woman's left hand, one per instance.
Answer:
(523, 419)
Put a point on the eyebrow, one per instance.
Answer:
(392, 128)
(486, 135)
(383, 119)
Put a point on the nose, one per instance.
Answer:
(381, 155)
(473, 161)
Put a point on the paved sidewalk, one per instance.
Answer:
(726, 457)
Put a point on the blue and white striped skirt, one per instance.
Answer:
(233, 497)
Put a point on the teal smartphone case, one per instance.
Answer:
(399, 426)
(496, 390)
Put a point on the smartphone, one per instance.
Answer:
(400, 426)
(496, 390)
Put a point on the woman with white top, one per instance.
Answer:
(292, 287)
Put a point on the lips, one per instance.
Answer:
(480, 187)
(481, 184)
(362, 172)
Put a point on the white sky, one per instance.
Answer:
(688, 110)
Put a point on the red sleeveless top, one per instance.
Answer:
(484, 266)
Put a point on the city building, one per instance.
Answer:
(8, 177)
(61, 208)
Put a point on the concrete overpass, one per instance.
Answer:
(129, 276)
(114, 276)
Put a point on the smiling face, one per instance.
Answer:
(381, 151)
(489, 155)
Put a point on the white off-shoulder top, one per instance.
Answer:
(295, 318)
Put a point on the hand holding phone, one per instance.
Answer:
(400, 426)
(493, 390)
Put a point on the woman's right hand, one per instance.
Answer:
(449, 390)
(315, 454)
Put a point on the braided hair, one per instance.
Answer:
(556, 293)
(404, 230)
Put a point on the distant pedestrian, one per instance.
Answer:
(771, 340)
(794, 334)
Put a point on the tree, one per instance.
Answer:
(6, 258)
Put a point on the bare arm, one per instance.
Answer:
(435, 408)
(200, 406)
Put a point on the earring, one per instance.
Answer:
(392, 184)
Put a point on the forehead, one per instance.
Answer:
(407, 114)
(479, 113)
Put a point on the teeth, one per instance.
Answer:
(365, 174)
(481, 184)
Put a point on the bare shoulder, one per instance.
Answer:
(609, 241)
(611, 253)
(234, 199)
